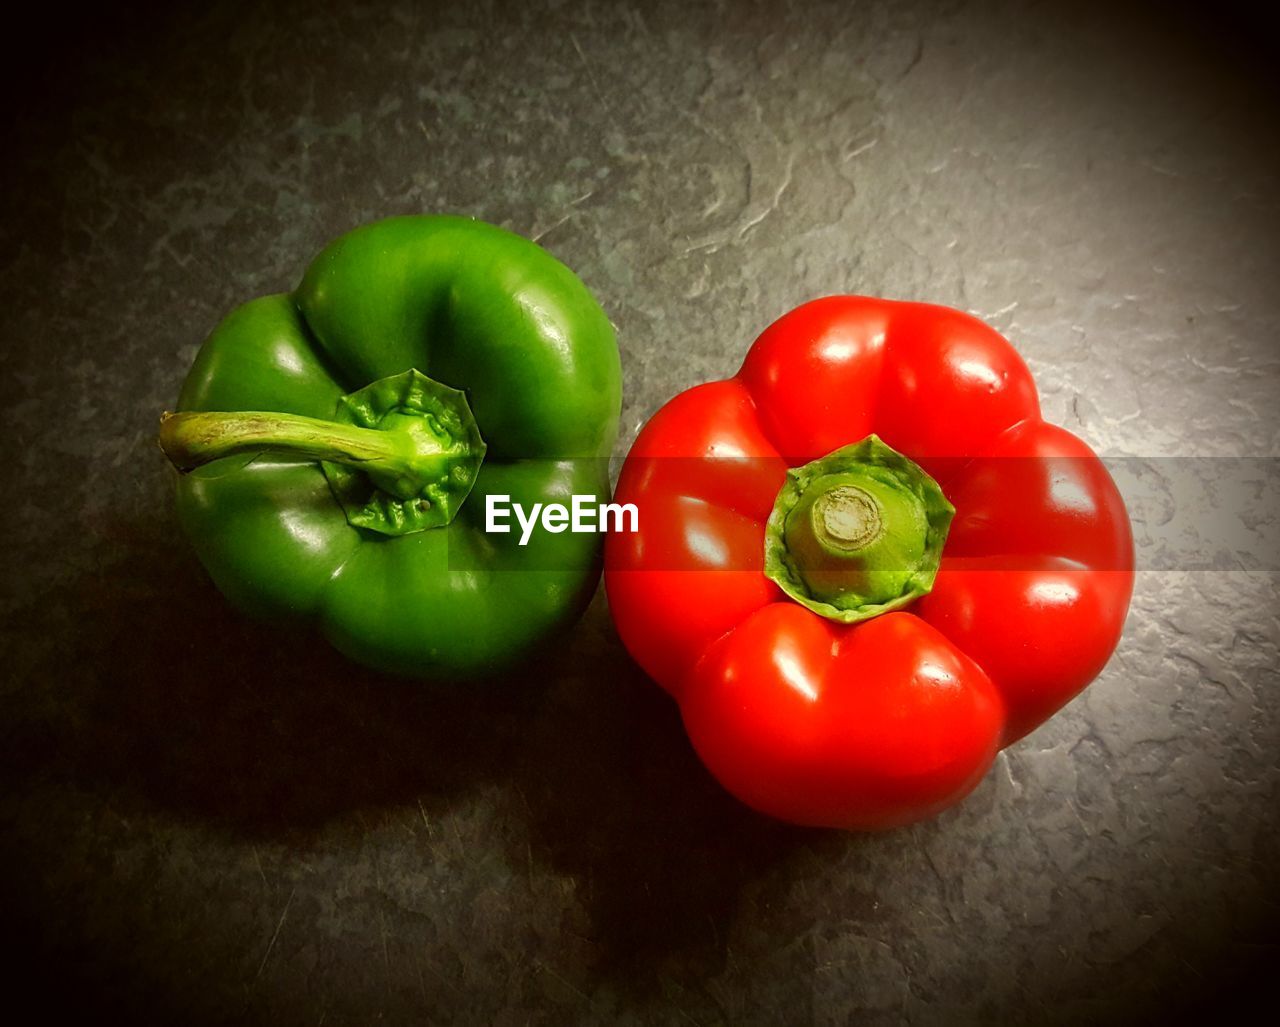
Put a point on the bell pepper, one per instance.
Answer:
(338, 443)
(865, 563)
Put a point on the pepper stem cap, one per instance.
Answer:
(857, 533)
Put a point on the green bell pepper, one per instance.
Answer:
(339, 442)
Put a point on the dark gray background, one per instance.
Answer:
(206, 817)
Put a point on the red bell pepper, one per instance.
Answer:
(844, 650)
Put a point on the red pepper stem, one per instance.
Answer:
(846, 519)
(857, 533)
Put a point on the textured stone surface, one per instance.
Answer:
(203, 814)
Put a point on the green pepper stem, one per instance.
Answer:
(401, 454)
(193, 438)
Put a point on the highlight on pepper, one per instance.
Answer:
(865, 563)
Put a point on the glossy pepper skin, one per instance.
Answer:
(470, 306)
(893, 718)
